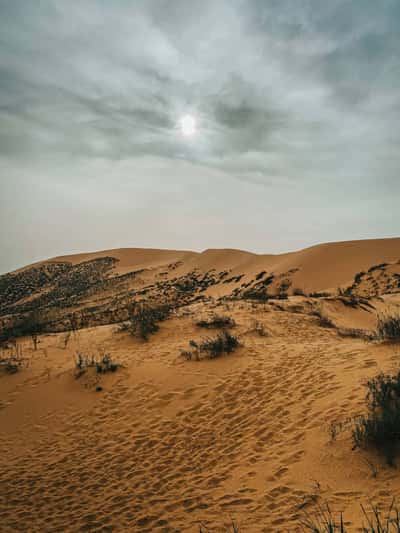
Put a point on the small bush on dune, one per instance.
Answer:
(212, 348)
(376, 521)
(217, 321)
(102, 363)
(324, 521)
(356, 333)
(389, 328)
(28, 324)
(323, 320)
(298, 292)
(144, 321)
(12, 360)
(380, 428)
(259, 328)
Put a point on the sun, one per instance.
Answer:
(187, 124)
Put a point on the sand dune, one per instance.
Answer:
(166, 443)
(321, 267)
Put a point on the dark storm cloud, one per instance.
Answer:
(297, 94)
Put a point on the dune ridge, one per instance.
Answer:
(165, 443)
(322, 265)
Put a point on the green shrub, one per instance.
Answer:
(144, 321)
(323, 522)
(389, 328)
(380, 427)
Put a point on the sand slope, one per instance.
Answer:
(320, 267)
(168, 443)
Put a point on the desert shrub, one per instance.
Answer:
(144, 321)
(12, 359)
(259, 328)
(284, 286)
(28, 324)
(376, 521)
(356, 333)
(256, 295)
(298, 292)
(217, 321)
(212, 348)
(323, 320)
(323, 522)
(377, 267)
(281, 296)
(358, 277)
(102, 362)
(389, 328)
(380, 427)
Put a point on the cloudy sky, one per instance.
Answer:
(297, 110)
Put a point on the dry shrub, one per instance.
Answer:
(12, 359)
(212, 348)
(388, 328)
(101, 362)
(380, 427)
(216, 321)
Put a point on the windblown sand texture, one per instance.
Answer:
(169, 443)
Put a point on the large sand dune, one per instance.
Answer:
(321, 267)
(167, 443)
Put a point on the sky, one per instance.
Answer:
(297, 113)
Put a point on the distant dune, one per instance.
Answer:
(320, 267)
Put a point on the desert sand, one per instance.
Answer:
(165, 444)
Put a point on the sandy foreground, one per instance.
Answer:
(167, 443)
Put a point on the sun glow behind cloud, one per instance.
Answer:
(188, 125)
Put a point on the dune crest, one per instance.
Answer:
(153, 391)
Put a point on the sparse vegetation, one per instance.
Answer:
(260, 329)
(102, 362)
(28, 324)
(283, 288)
(298, 292)
(388, 328)
(380, 427)
(212, 348)
(144, 321)
(323, 320)
(260, 295)
(358, 277)
(356, 333)
(323, 520)
(216, 321)
(377, 267)
(12, 359)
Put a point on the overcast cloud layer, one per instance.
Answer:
(298, 111)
